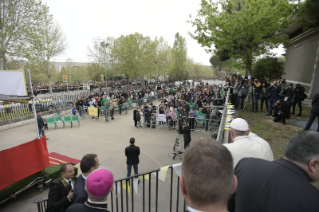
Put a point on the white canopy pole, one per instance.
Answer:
(33, 105)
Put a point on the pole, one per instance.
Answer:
(33, 105)
(105, 74)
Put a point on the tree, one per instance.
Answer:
(46, 42)
(163, 58)
(268, 68)
(134, 55)
(215, 61)
(243, 29)
(179, 52)
(18, 18)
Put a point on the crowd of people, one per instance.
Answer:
(239, 176)
(279, 98)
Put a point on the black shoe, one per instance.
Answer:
(292, 113)
(284, 123)
(252, 110)
(256, 111)
(268, 114)
(47, 138)
(299, 115)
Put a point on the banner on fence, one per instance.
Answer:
(65, 78)
(92, 111)
(161, 117)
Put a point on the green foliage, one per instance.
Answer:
(18, 20)
(163, 59)
(243, 29)
(179, 52)
(134, 55)
(268, 68)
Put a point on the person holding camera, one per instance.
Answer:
(274, 91)
(255, 94)
(235, 88)
(299, 93)
(242, 93)
(283, 86)
(279, 112)
(187, 134)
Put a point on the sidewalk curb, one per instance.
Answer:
(17, 124)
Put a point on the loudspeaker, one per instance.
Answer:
(218, 102)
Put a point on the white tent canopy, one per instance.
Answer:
(12, 85)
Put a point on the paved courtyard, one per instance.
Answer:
(107, 140)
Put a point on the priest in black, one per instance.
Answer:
(98, 185)
(281, 185)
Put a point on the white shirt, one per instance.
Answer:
(190, 209)
(67, 181)
(251, 146)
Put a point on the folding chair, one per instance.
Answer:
(67, 119)
(75, 118)
(50, 120)
(58, 119)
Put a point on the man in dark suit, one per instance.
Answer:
(132, 152)
(314, 112)
(89, 163)
(207, 179)
(283, 184)
(61, 191)
(98, 185)
(187, 134)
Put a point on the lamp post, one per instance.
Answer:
(103, 44)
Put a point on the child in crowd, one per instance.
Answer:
(73, 110)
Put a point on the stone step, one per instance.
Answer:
(307, 103)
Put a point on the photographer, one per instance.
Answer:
(274, 91)
(187, 134)
(299, 93)
(279, 113)
(255, 94)
(283, 86)
(235, 88)
(242, 93)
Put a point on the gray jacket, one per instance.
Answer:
(236, 88)
(243, 89)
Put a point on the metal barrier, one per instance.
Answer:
(148, 198)
(221, 130)
(153, 191)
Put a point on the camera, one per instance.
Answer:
(243, 81)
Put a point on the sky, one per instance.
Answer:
(83, 20)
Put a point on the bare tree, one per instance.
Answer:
(46, 43)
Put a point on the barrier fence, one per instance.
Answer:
(54, 103)
(157, 190)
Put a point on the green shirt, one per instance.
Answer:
(104, 100)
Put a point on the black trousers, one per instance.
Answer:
(135, 122)
(299, 105)
(280, 117)
(234, 98)
(191, 122)
(311, 119)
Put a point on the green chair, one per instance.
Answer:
(58, 119)
(116, 108)
(50, 120)
(67, 119)
(102, 108)
(75, 118)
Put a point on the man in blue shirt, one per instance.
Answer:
(274, 91)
